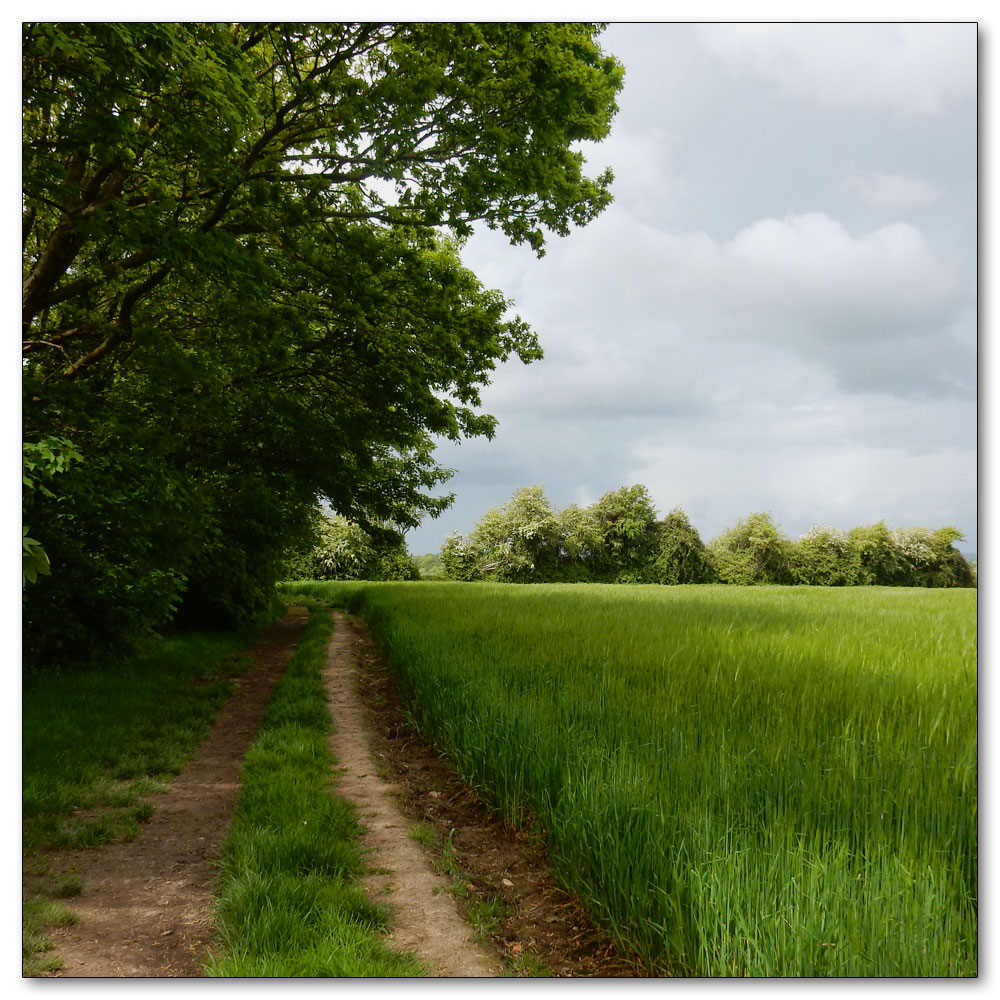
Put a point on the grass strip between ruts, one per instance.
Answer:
(289, 904)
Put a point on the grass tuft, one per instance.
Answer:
(37, 917)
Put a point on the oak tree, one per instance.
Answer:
(243, 291)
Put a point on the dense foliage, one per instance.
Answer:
(242, 292)
(429, 566)
(619, 539)
(345, 551)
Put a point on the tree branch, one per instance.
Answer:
(123, 324)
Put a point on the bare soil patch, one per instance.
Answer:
(146, 906)
(503, 864)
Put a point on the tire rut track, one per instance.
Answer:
(428, 922)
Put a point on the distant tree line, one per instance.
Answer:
(620, 539)
(343, 550)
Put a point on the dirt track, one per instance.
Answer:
(427, 919)
(146, 908)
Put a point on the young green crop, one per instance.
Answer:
(738, 781)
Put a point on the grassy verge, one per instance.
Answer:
(96, 744)
(289, 904)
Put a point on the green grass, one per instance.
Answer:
(38, 915)
(289, 903)
(737, 781)
(97, 742)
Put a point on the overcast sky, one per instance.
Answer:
(778, 312)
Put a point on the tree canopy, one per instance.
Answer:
(242, 290)
(617, 539)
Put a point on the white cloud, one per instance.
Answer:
(809, 267)
(891, 192)
(636, 321)
(908, 69)
(605, 382)
(642, 160)
(802, 283)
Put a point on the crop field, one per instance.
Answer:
(761, 781)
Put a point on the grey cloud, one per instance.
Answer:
(908, 69)
(839, 484)
(921, 367)
(874, 308)
(605, 384)
(891, 192)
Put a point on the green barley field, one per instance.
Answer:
(770, 781)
